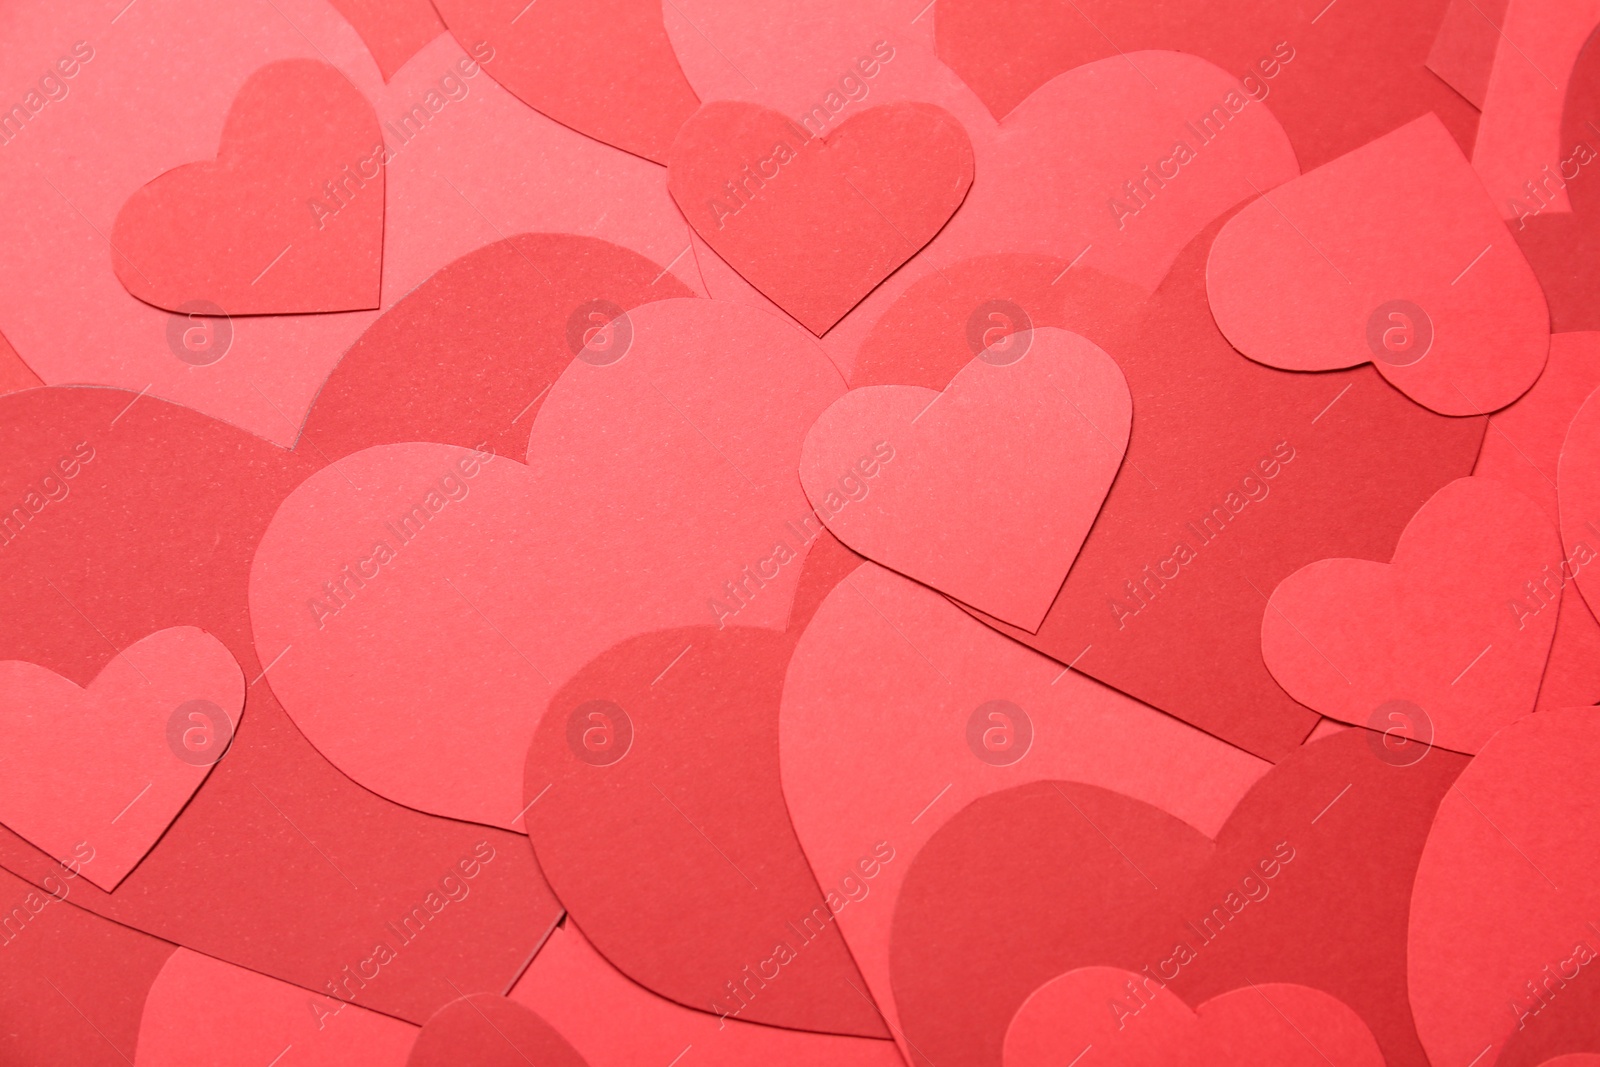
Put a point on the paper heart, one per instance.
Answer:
(1307, 882)
(1458, 625)
(1519, 825)
(1236, 476)
(285, 220)
(278, 839)
(626, 779)
(1391, 254)
(98, 773)
(392, 31)
(573, 987)
(490, 1031)
(1331, 85)
(1274, 1024)
(898, 709)
(250, 1018)
(482, 341)
(1562, 245)
(773, 200)
(1578, 489)
(605, 69)
(413, 576)
(986, 490)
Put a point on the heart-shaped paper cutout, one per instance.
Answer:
(899, 709)
(287, 219)
(1309, 882)
(985, 490)
(816, 223)
(392, 30)
(277, 839)
(97, 774)
(1458, 624)
(1127, 1019)
(1519, 825)
(490, 1031)
(625, 782)
(411, 575)
(1331, 83)
(1391, 254)
(204, 1011)
(604, 68)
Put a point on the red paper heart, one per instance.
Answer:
(1509, 982)
(98, 773)
(1459, 624)
(1309, 882)
(816, 223)
(490, 1031)
(501, 580)
(604, 68)
(899, 709)
(287, 219)
(985, 490)
(1391, 254)
(686, 894)
(1331, 84)
(1127, 1020)
(1236, 476)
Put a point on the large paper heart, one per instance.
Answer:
(288, 218)
(582, 996)
(1236, 476)
(1309, 882)
(985, 490)
(1126, 1019)
(411, 577)
(1512, 983)
(277, 839)
(1458, 624)
(1578, 490)
(482, 341)
(1331, 83)
(899, 709)
(97, 774)
(605, 69)
(250, 1018)
(1394, 255)
(816, 223)
(625, 781)
(1563, 246)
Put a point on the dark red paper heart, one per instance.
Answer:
(158, 530)
(1070, 876)
(816, 223)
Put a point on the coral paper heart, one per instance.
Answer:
(986, 490)
(95, 775)
(1134, 1022)
(816, 223)
(1459, 624)
(1392, 254)
(287, 219)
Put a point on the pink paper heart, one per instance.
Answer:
(1458, 625)
(94, 776)
(1106, 1015)
(986, 490)
(1391, 254)
(287, 219)
(659, 484)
